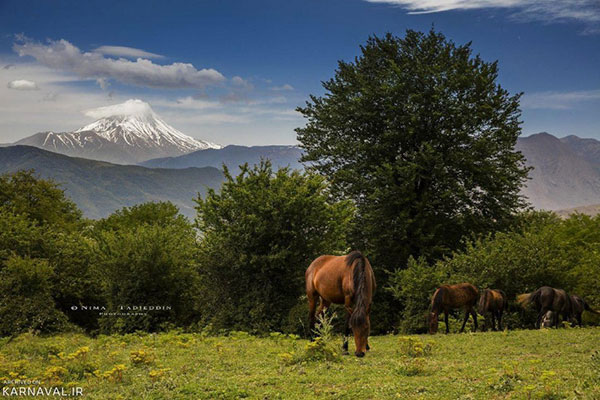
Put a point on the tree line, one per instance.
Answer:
(410, 159)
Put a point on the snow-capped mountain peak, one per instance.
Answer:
(134, 123)
(126, 133)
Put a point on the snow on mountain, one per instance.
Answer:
(126, 133)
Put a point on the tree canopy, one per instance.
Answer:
(417, 131)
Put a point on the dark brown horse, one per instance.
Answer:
(548, 299)
(449, 297)
(578, 306)
(494, 302)
(347, 280)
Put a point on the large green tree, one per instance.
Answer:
(418, 132)
(258, 236)
(42, 200)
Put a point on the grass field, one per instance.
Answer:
(548, 364)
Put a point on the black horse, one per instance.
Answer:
(548, 299)
(578, 306)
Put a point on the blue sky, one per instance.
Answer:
(234, 71)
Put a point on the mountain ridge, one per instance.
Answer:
(566, 174)
(233, 156)
(99, 188)
(126, 133)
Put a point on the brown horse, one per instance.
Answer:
(578, 306)
(548, 299)
(347, 280)
(448, 297)
(492, 301)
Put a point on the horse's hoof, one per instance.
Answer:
(360, 354)
(345, 353)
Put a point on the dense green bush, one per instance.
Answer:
(542, 251)
(26, 301)
(259, 234)
(19, 235)
(146, 257)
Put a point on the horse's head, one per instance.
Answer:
(432, 321)
(361, 337)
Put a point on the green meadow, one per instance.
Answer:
(522, 364)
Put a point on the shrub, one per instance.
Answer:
(259, 234)
(410, 367)
(26, 298)
(146, 264)
(142, 356)
(543, 251)
(414, 347)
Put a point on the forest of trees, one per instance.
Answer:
(410, 159)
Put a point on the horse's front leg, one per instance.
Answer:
(493, 321)
(446, 321)
(368, 331)
(347, 328)
(312, 307)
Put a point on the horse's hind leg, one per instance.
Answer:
(493, 321)
(500, 321)
(322, 307)
(467, 312)
(312, 306)
(541, 314)
(474, 315)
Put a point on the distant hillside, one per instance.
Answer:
(592, 210)
(566, 171)
(232, 156)
(99, 188)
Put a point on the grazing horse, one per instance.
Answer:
(578, 306)
(347, 280)
(448, 297)
(548, 299)
(492, 301)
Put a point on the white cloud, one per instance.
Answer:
(195, 104)
(552, 100)
(61, 55)
(22, 84)
(586, 11)
(127, 52)
(60, 106)
(130, 107)
(282, 88)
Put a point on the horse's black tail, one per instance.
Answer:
(587, 307)
(359, 312)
